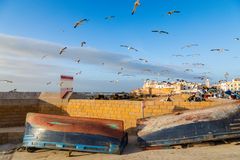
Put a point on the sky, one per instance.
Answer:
(31, 29)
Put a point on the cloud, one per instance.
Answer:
(20, 58)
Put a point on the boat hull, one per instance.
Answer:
(75, 134)
(192, 128)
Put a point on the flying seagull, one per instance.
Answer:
(141, 59)
(193, 55)
(129, 47)
(128, 75)
(119, 73)
(172, 12)
(189, 46)
(114, 81)
(6, 81)
(188, 70)
(237, 39)
(78, 60)
(177, 55)
(219, 50)
(62, 50)
(198, 64)
(61, 84)
(160, 32)
(109, 17)
(78, 23)
(78, 73)
(136, 4)
(44, 56)
(83, 43)
(48, 83)
(200, 77)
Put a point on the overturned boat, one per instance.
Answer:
(192, 126)
(74, 133)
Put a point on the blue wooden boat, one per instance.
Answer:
(74, 133)
(188, 127)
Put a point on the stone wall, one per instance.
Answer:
(13, 111)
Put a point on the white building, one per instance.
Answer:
(233, 85)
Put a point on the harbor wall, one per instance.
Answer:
(13, 110)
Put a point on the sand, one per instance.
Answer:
(132, 152)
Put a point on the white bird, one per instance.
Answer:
(198, 64)
(192, 55)
(78, 73)
(188, 70)
(129, 47)
(141, 59)
(172, 12)
(78, 60)
(44, 56)
(62, 50)
(48, 83)
(78, 23)
(61, 84)
(136, 4)
(83, 43)
(160, 32)
(109, 17)
(114, 81)
(221, 50)
(177, 55)
(189, 46)
(237, 39)
(6, 81)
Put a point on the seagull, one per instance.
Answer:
(189, 46)
(44, 56)
(237, 39)
(128, 75)
(78, 73)
(200, 77)
(193, 55)
(78, 23)
(177, 55)
(129, 47)
(6, 81)
(119, 73)
(114, 81)
(121, 68)
(160, 32)
(103, 63)
(60, 84)
(141, 59)
(147, 70)
(198, 64)
(109, 17)
(219, 50)
(78, 60)
(83, 43)
(48, 83)
(172, 12)
(14, 90)
(62, 50)
(188, 70)
(136, 4)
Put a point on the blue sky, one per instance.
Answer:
(209, 23)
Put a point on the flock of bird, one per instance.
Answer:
(131, 48)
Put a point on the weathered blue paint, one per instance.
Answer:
(36, 137)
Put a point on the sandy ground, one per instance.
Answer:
(132, 152)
